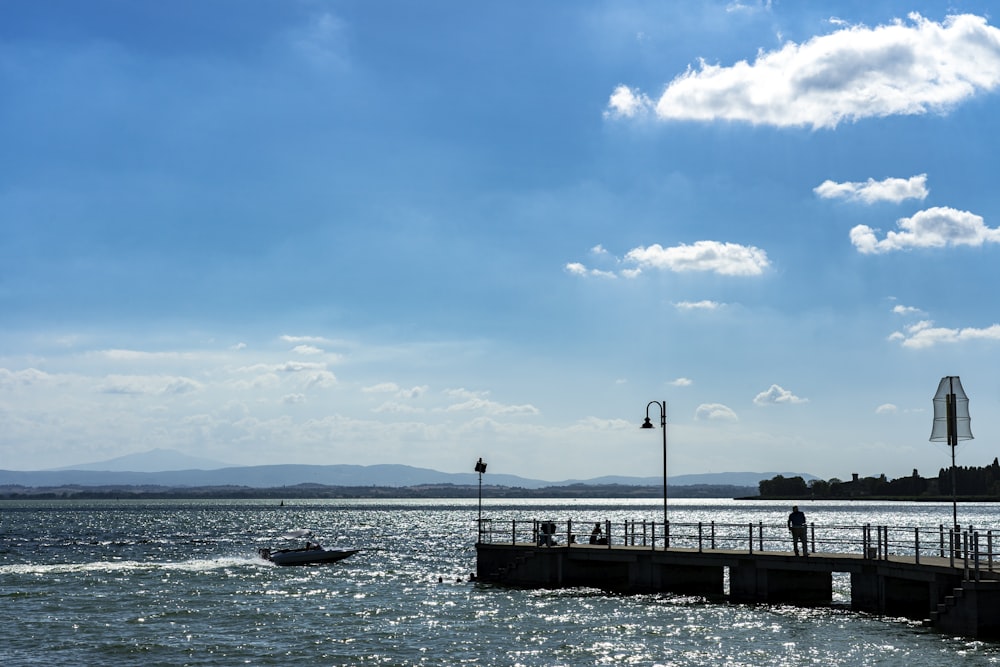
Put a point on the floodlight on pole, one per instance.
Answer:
(951, 424)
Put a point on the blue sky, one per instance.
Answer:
(366, 232)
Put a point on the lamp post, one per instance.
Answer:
(480, 468)
(662, 405)
(951, 423)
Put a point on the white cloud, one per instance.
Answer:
(924, 334)
(476, 401)
(906, 310)
(300, 366)
(307, 349)
(139, 355)
(394, 407)
(320, 380)
(749, 7)
(728, 259)
(413, 392)
(775, 395)
(393, 388)
(148, 385)
(904, 68)
(886, 409)
(715, 412)
(627, 103)
(578, 269)
(381, 388)
(682, 382)
(698, 305)
(29, 376)
(935, 227)
(306, 340)
(893, 190)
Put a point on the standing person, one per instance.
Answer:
(797, 526)
(597, 535)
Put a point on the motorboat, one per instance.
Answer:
(313, 553)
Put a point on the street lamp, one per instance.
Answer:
(662, 405)
(480, 468)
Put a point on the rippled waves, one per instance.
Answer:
(177, 583)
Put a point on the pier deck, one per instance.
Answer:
(952, 585)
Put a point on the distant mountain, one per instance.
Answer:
(261, 477)
(155, 460)
(172, 469)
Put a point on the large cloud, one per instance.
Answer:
(935, 227)
(904, 68)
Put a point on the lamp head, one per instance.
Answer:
(480, 466)
(647, 424)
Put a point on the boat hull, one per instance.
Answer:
(307, 556)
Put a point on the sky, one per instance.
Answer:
(356, 232)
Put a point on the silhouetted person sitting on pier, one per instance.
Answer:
(547, 537)
(597, 535)
(797, 525)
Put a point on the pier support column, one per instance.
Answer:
(753, 582)
(687, 579)
(866, 591)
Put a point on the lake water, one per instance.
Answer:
(179, 583)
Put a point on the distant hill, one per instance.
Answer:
(173, 469)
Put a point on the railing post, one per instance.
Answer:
(750, 541)
(607, 531)
(812, 537)
(643, 532)
(965, 553)
(513, 531)
(989, 550)
(975, 552)
(569, 532)
(760, 535)
(666, 536)
(713, 536)
(653, 528)
(700, 550)
(916, 546)
(866, 538)
(951, 547)
(941, 535)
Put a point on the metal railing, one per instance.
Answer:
(967, 547)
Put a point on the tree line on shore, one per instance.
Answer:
(970, 482)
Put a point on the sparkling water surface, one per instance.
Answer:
(178, 583)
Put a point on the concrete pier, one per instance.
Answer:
(942, 591)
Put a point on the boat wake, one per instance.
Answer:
(130, 566)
